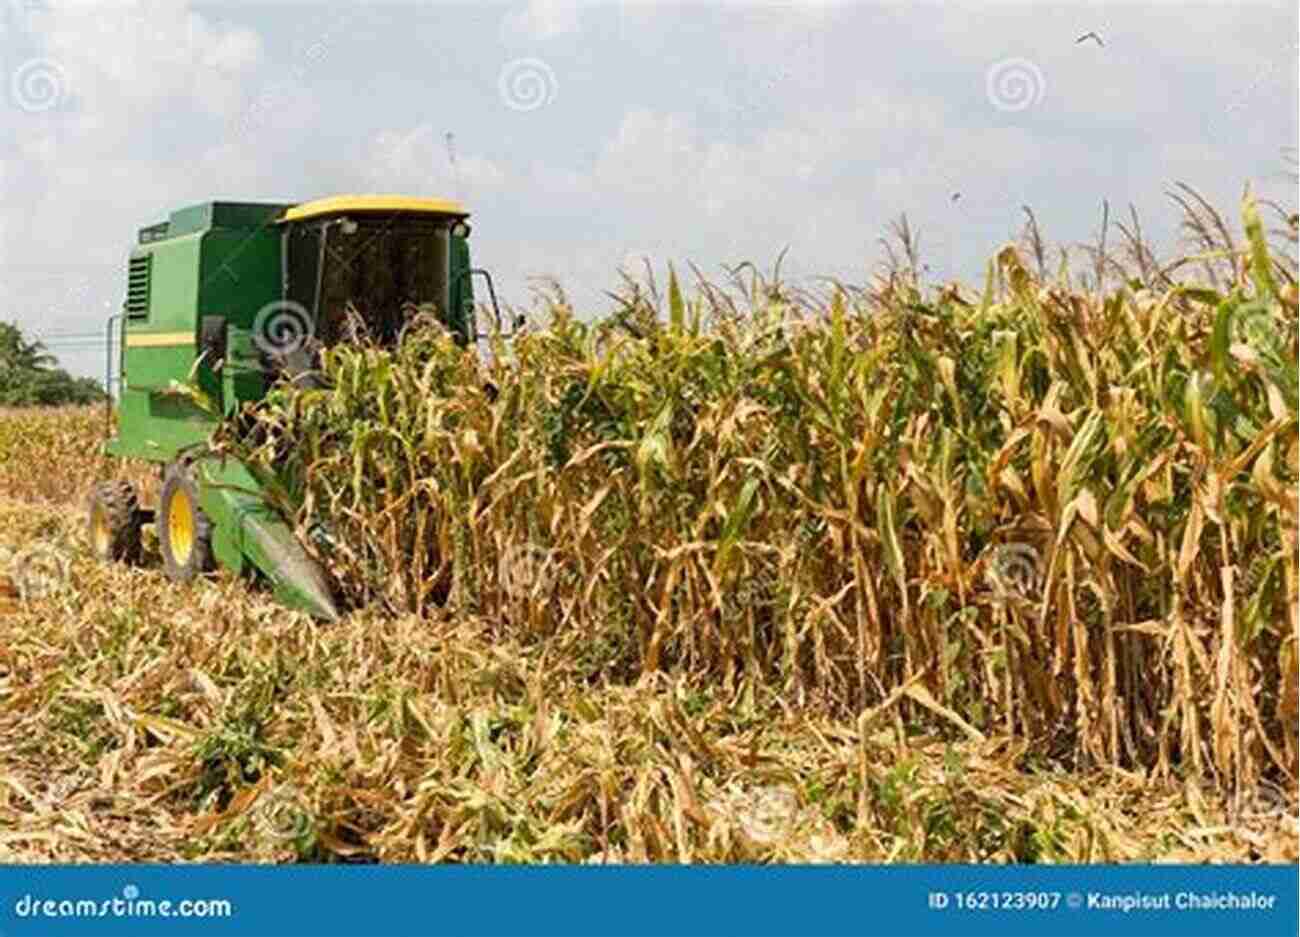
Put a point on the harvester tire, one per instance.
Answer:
(184, 531)
(114, 521)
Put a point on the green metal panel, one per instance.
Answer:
(228, 271)
(239, 278)
(461, 315)
(158, 349)
(211, 215)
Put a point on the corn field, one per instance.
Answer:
(741, 572)
(1060, 516)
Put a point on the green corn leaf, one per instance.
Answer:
(1194, 410)
(893, 552)
(1221, 339)
(737, 520)
(839, 341)
(1072, 469)
(1261, 265)
(676, 305)
(1255, 615)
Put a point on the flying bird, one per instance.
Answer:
(955, 196)
(1087, 36)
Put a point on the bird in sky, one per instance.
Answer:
(1087, 36)
(955, 196)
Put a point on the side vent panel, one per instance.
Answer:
(137, 287)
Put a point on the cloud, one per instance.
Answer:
(418, 161)
(140, 57)
(542, 19)
(711, 131)
(93, 148)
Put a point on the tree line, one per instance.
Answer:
(29, 378)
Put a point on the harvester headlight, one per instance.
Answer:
(460, 229)
(348, 225)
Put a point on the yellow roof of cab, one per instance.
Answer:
(356, 203)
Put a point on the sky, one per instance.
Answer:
(585, 136)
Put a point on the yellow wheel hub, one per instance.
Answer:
(100, 533)
(180, 527)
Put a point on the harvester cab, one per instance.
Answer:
(225, 299)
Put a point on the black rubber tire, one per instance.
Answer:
(179, 480)
(115, 505)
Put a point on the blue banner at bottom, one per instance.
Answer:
(782, 901)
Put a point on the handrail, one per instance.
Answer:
(496, 309)
(108, 367)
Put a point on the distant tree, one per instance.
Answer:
(28, 377)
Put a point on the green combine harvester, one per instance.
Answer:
(224, 300)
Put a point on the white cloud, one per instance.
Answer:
(131, 56)
(542, 19)
(713, 132)
(418, 161)
(94, 150)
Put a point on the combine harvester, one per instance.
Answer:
(226, 299)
